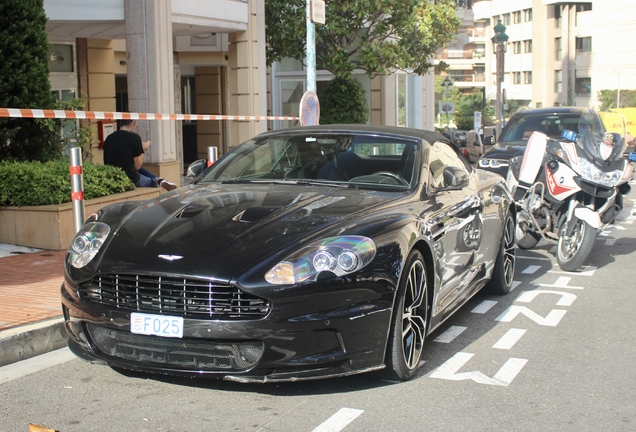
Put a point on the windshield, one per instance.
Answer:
(346, 159)
(522, 125)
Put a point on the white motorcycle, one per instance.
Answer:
(567, 190)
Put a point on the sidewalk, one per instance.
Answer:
(31, 320)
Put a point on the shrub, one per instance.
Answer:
(343, 101)
(44, 183)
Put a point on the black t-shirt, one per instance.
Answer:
(120, 149)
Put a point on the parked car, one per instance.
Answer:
(302, 253)
(510, 146)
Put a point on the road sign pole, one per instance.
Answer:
(310, 51)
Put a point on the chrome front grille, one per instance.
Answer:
(173, 295)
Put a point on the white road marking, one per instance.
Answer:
(515, 284)
(584, 271)
(531, 269)
(566, 298)
(533, 258)
(339, 420)
(552, 319)
(508, 340)
(610, 242)
(503, 377)
(35, 364)
(484, 307)
(449, 335)
(561, 282)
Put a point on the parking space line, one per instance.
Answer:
(531, 269)
(339, 420)
(484, 307)
(508, 340)
(561, 282)
(532, 258)
(449, 335)
(585, 271)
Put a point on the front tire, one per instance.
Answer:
(573, 250)
(504, 272)
(409, 322)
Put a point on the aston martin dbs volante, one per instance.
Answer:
(302, 253)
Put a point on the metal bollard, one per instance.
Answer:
(77, 187)
(212, 155)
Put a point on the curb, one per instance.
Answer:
(30, 340)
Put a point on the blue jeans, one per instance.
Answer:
(146, 179)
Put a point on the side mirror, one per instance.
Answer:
(454, 176)
(196, 168)
(488, 140)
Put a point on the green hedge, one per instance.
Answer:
(44, 183)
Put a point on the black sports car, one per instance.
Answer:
(302, 253)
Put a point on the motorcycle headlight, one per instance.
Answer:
(493, 163)
(335, 256)
(87, 243)
(590, 172)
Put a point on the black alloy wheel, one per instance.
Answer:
(409, 322)
(504, 272)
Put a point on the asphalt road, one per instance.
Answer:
(557, 354)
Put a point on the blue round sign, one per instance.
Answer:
(309, 109)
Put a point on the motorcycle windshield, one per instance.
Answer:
(598, 143)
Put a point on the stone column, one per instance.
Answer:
(150, 79)
(247, 76)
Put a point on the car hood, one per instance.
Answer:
(506, 151)
(223, 230)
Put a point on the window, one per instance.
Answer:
(539, 105)
(583, 45)
(506, 19)
(516, 47)
(516, 77)
(527, 15)
(527, 46)
(583, 87)
(527, 77)
(401, 99)
(558, 49)
(558, 81)
(516, 17)
(557, 16)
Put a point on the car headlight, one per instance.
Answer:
(493, 163)
(335, 256)
(588, 171)
(87, 243)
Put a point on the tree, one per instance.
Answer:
(607, 99)
(376, 36)
(465, 111)
(24, 81)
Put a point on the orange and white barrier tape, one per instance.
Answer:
(101, 115)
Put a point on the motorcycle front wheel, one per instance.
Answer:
(573, 250)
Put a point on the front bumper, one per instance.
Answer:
(297, 340)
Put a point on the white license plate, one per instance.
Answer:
(156, 325)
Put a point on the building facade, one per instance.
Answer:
(561, 52)
(199, 57)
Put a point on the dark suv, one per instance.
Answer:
(509, 148)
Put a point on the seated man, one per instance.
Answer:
(124, 149)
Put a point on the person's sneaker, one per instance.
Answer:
(167, 185)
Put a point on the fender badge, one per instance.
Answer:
(170, 257)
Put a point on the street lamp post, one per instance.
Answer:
(447, 83)
(499, 47)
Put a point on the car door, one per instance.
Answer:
(456, 224)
